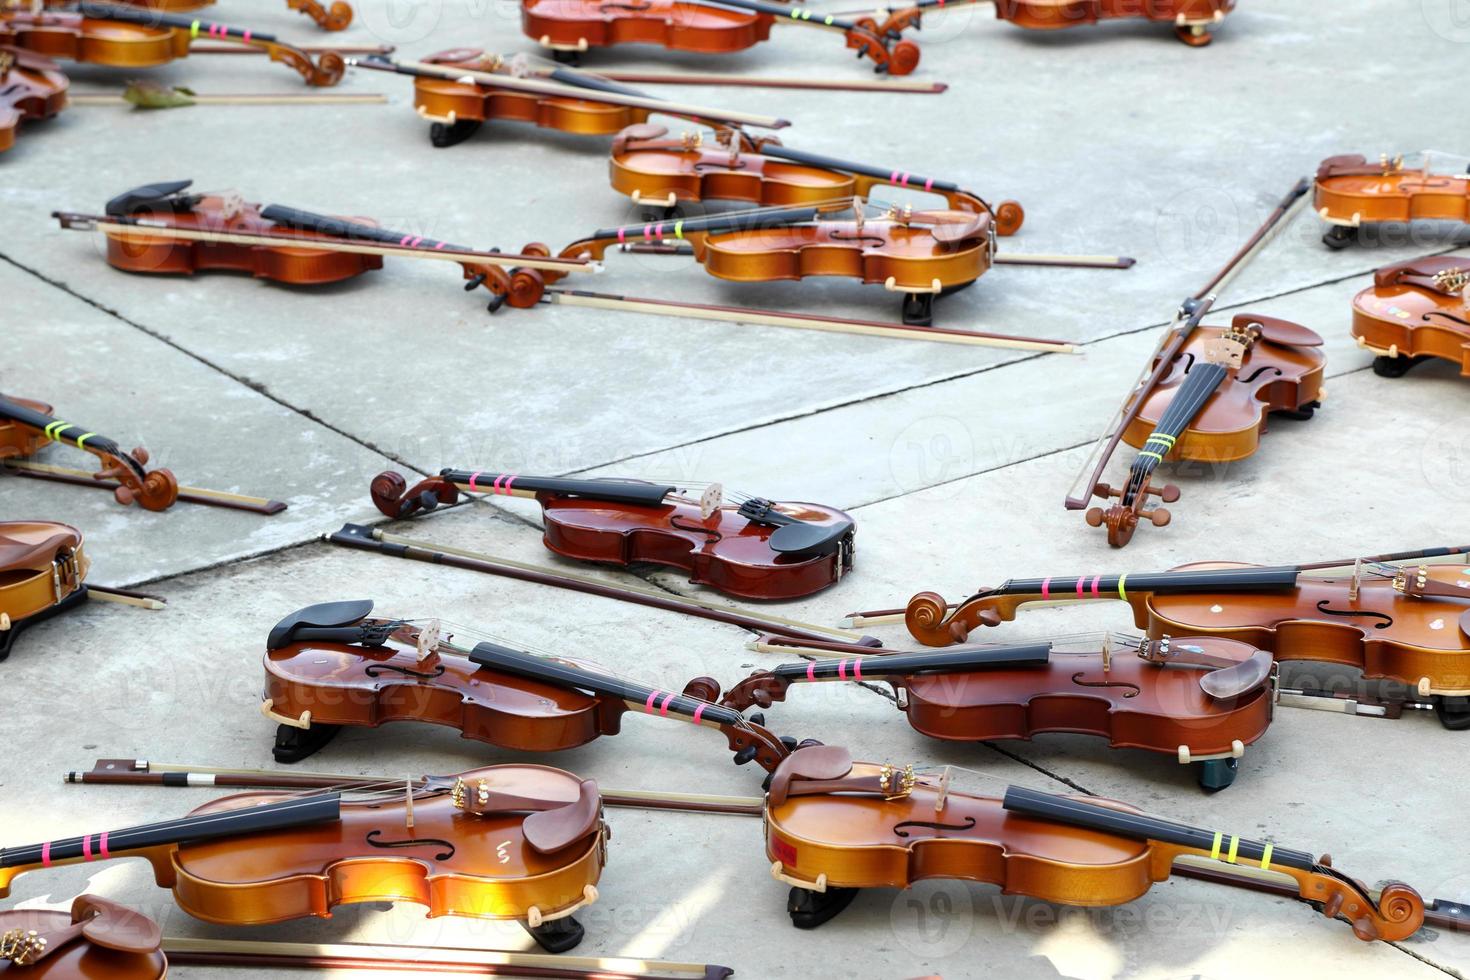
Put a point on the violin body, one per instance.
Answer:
(1415, 311)
(397, 672)
(457, 108)
(665, 172)
(31, 87)
(95, 940)
(501, 842)
(1351, 192)
(18, 441)
(884, 827)
(1420, 641)
(625, 522)
(1130, 701)
(146, 40)
(1272, 378)
(1193, 20)
(42, 567)
(134, 251)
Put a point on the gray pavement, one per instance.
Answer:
(953, 460)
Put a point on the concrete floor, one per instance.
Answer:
(953, 460)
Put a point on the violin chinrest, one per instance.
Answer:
(116, 926)
(638, 132)
(25, 544)
(151, 196)
(951, 232)
(1229, 683)
(548, 831)
(1278, 331)
(819, 762)
(323, 614)
(803, 539)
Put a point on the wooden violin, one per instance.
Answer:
(28, 426)
(571, 27)
(1350, 193)
(460, 90)
(501, 842)
(1410, 624)
(755, 548)
(95, 940)
(660, 173)
(122, 36)
(834, 826)
(920, 254)
(336, 15)
(163, 229)
(1193, 20)
(31, 88)
(1200, 699)
(1416, 311)
(1206, 395)
(333, 665)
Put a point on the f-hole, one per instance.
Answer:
(1385, 621)
(900, 831)
(1260, 371)
(711, 535)
(1438, 315)
(1129, 690)
(374, 670)
(448, 852)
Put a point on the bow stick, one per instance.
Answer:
(425, 69)
(191, 495)
(151, 95)
(373, 539)
(802, 321)
(430, 959)
(141, 772)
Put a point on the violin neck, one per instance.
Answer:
(290, 812)
(1138, 826)
(888, 175)
(505, 660)
(712, 225)
(155, 18)
(59, 431)
(1189, 399)
(1248, 579)
(900, 665)
(341, 228)
(513, 484)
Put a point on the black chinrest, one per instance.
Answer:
(322, 615)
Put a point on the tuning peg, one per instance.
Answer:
(989, 617)
(1159, 516)
(1095, 517)
(745, 755)
(1168, 493)
(141, 455)
(1105, 491)
(496, 302)
(428, 500)
(758, 718)
(475, 282)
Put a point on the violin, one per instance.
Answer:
(27, 426)
(756, 548)
(1350, 193)
(31, 87)
(122, 36)
(1206, 395)
(1414, 312)
(1410, 625)
(335, 17)
(661, 173)
(1200, 699)
(571, 27)
(1193, 20)
(461, 89)
(920, 254)
(162, 229)
(501, 842)
(834, 826)
(95, 940)
(333, 665)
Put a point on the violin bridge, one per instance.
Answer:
(428, 640)
(943, 796)
(711, 500)
(1227, 350)
(408, 803)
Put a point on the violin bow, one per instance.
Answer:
(143, 94)
(142, 772)
(536, 86)
(431, 959)
(802, 321)
(367, 538)
(1188, 317)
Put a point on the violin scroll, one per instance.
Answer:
(1009, 215)
(336, 17)
(1121, 519)
(929, 620)
(327, 70)
(1397, 914)
(392, 497)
